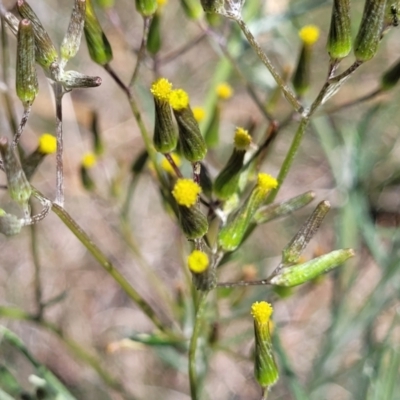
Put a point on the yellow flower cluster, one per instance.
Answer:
(185, 192)
(179, 99)
(242, 139)
(309, 34)
(261, 312)
(224, 91)
(47, 144)
(199, 113)
(266, 182)
(89, 160)
(161, 89)
(198, 261)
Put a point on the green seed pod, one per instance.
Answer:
(370, 32)
(154, 38)
(390, 78)
(72, 39)
(301, 273)
(18, 186)
(265, 368)
(9, 224)
(339, 39)
(227, 181)
(76, 80)
(191, 141)
(272, 211)
(193, 222)
(291, 253)
(232, 234)
(26, 79)
(192, 8)
(98, 45)
(45, 52)
(146, 7)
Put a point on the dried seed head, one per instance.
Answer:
(76, 80)
(9, 224)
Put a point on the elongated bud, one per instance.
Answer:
(302, 76)
(391, 77)
(75, 80)
(98, 146)
(98, 45)
(227, 181)
(370, 31)
(18, 186)
(211, 135)
(265, 368)
(291, 253)
(9, 224)
(191, 141)
(301, 273)
(154, 37)
(72, 40)
(45, 52)
(89, 160)
(232, 234)
(146, 7)
(192, 8)
(26, 79)
(12, 22)
(339, 39)
(272, 211)
(165, 137)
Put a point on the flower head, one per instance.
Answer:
(309, 34)
(224, 91)
(242, 139)
(179, 99)
(185, 192)
(261, 312)
(199, 113)
(47, 144)
(89, 160)
(161, 89)
(198, 261)
(266, 182)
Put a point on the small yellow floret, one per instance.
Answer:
(166, 166)
(224, 91)
(199, 113)
(185, 192)
(179, 99)
(47, 144)
(242, 139)
(261, 312)
(161, 89)
(198, 261)
(266, 182)
(309, 34)
(89, 160)
(161, 2)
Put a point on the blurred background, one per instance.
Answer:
(338, 336)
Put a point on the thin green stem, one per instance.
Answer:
(194, 384)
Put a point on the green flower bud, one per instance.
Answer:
(227, 181)
(291, 253)
(370, 32)
(86, 179)
(339, 39)
(146, 7)
(76, 80)
(9, 224)
(265, 368)
(191, 141)
(72, 39)
(390, 78)
(232, 234)
(154, 37)
(192, 8)
(301, 273)
(165, 138)
(18, 186)
(193, 222)
(99, 47)
(45, 52)
(26, 79)
(272, 211)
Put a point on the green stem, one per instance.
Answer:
(194, 387)
(108, 266)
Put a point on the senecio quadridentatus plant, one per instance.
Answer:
(216, 214)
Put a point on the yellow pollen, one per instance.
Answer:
(166, 166)
(161, 89)
(199, 113)
(309, 34)
(89, 160)
(266, 182)
(198, 261)
(242, 139)
(47, 144)
(179, 99)
(185, 192)
(261, 312)
(224, 91)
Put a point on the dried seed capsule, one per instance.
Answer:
(75, 80)
(191, 141)
(232, 234)
(370, 31)
(146, 7)
(26, 78)
(98, 45)
(339, 39)
(18, 186)
(301, 273)
(227, 181)
(9, 224)
(391, 77)
(265, 368)
(165, 138)
(72, 39)
(45, 52)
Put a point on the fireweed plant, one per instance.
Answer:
(217, 206)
